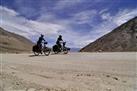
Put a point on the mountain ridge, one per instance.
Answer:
(13, 43)
(122, 38)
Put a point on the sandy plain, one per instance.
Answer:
(72, 72)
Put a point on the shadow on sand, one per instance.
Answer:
(45, 55)
(32, 55)
(35, 55)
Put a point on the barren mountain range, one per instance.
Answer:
(13, 43)
(121, 39)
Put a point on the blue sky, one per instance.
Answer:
(79, 21)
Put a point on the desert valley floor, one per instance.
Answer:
(72, 72)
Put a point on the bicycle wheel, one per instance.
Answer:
(65, 51)
(36, 53)
(47, 51)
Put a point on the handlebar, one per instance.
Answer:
(62, 42)
(45, 42)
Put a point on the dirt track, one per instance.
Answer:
(71, 72)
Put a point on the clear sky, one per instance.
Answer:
(78, 21)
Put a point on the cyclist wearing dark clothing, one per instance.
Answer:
(39, 42)
(59, 40)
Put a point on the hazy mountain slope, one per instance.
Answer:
(11, 42)
(123, 38)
